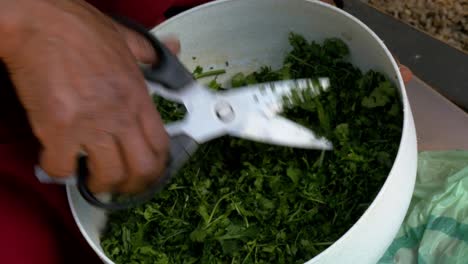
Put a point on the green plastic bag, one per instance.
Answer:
(435, 229)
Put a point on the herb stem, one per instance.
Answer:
(216, 208)
(173, 206)
(301, 60)
(291, 217)
(250, 252)
(173, 235)
(208, 74)
(313, 199)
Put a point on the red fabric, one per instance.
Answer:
(36, 225)
(147, 12)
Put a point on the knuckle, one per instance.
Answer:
(107, 177)
(58, 171)
(102, 141)
(162, 146)
(120, 91)
(41, 131)
(125, 121)
(55, 119)
(131, 189)
(111, 176)
(140, 178)
(147, 172)
(95, 188)
(62, 116)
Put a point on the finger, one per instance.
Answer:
(172, 43)
(154, 132)
(406, 73)
(138, 45)
(141, 162)
(141, 48)
(58, 159)
(106, 164)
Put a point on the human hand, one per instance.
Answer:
(75, 73)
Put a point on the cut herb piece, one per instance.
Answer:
(169, 110)
(198, 73)
(198, 70)
(239, 201)
(215, 85)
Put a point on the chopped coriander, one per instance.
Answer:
(198, 70)
(239, 201)
(200, 75)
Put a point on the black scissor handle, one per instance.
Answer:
(168, 71)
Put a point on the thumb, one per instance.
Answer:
(141, 48)
(406, 73)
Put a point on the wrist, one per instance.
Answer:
(10, 26)
(16, 19)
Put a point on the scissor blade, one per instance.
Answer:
(269, 97)
(278, 131)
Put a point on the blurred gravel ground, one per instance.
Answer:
(446, 20)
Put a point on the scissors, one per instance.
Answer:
(251, 112)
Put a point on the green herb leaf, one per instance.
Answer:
(239, 201)
(380, 96)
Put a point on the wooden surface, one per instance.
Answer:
(440, 125)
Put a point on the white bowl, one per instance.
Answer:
(252, 33)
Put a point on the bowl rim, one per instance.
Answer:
(407, 122)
